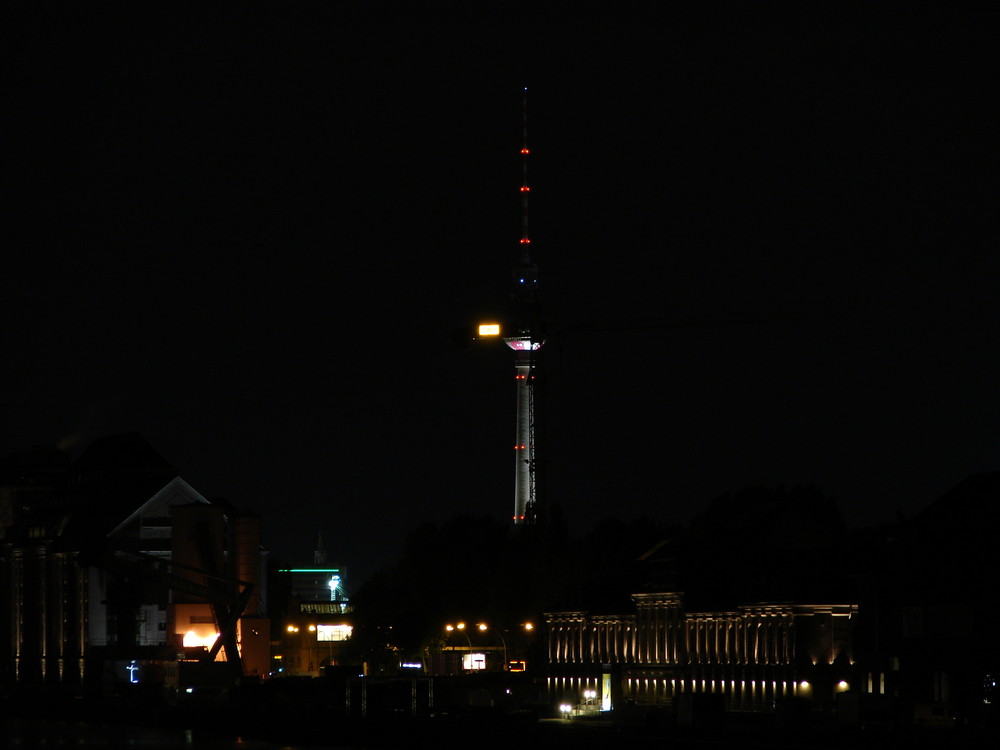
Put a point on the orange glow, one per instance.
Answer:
(525, 189)
(525, 151)
(192, 639)
(489, 329)
(525, 241)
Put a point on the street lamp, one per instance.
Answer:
(483, 627)
(460, 627)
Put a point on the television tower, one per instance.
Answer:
(524, 334)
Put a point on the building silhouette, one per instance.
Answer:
(114, 570)
(888, 625)
(316, 620)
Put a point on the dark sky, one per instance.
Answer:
(766, 238)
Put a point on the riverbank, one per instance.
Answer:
(223, 724)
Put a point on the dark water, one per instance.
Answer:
(53, 733)
(31, 733)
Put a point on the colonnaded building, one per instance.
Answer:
(750, 657)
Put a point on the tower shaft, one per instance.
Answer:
(524, 439)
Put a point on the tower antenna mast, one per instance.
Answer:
(525, 337)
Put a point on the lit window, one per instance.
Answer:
(333, 632)
(473, 662)
(193, 639)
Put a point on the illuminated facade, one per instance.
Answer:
(318, 624)
(750, 657)
(318, 584)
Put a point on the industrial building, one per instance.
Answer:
(114, 571)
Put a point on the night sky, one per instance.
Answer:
(766, 238)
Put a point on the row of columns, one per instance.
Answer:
(663, 635)
(43, 633)
(738, 638)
